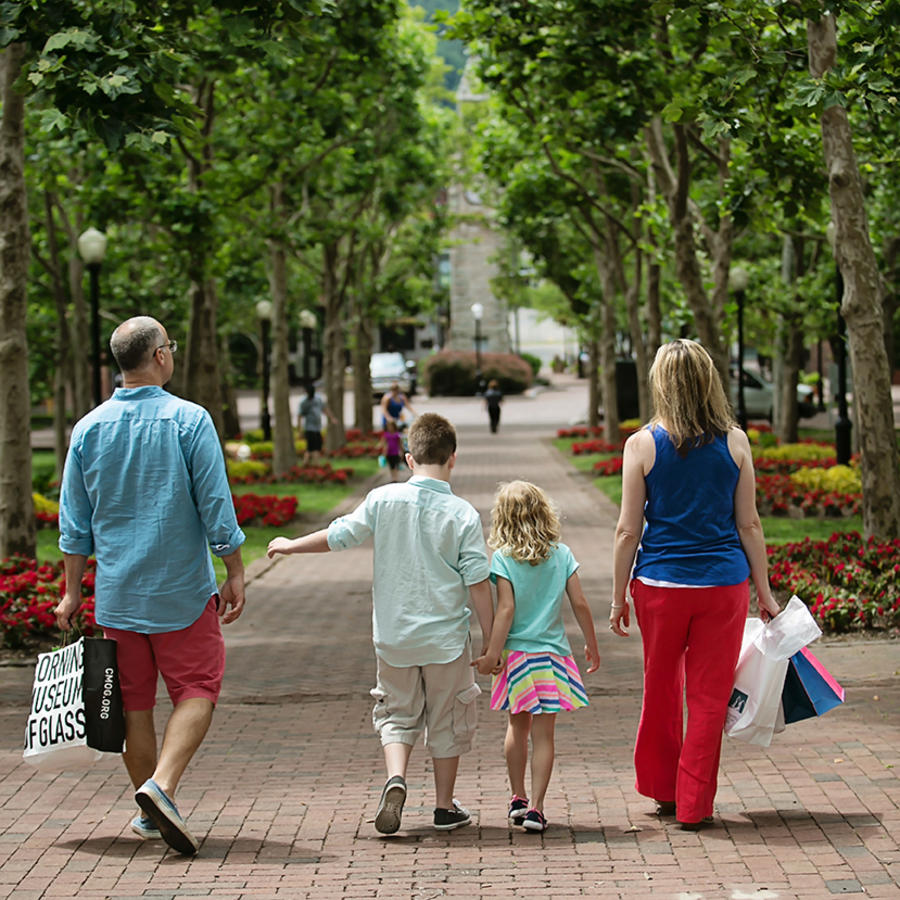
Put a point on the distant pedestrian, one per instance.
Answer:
(312, 408)
(392, 446)
(430, 563)
(689, 476)
(145, 490)
(393, 403)
(493, 397)
(535, 676)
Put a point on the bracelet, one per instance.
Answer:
(619, 605)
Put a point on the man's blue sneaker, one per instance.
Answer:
(144, 826)
(151, 798)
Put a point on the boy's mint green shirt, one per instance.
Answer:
(537, 625)
(429, 549)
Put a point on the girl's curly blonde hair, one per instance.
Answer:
(524, 522)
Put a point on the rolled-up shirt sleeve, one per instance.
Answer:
(75, 509)
(212, 493)
(353, 529)
(473, 558)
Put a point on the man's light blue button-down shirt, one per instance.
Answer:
(145, 491)
(429, 548)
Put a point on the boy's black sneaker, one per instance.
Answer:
(448, 819)
(387, 819)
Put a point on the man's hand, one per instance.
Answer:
(231, 595)
(66, 608)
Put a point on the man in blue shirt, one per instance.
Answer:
(146, 492)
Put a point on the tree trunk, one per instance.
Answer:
(81, 340)
(362, 379)
(789, 347)
(284, 453)
(63, 374)
(201, 379)
(17, 522)
(593, 380)
(861, 305)
(333, 355)
(230, 417)
(675, 186)
(201, 370)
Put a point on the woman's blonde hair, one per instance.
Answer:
(688, 398)
(524, 522)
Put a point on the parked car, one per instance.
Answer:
(759, 395)
(387, 368)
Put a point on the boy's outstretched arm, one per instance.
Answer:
(585, 621)
(317, 542)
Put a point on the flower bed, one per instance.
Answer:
(297, 474)
(611, 466)
(28, 594)
(260, 509)
(849, 583)
(782, 495)
(580, 448)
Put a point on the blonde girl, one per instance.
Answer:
(528, 653)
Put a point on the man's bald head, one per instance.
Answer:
(135, 341)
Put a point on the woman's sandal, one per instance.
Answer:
(665, 807)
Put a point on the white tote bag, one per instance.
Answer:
(55, 735)
(754, 710)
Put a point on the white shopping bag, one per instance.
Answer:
(55, 735)
(754, 710)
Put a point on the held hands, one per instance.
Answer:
(487, 665)
(619, 618)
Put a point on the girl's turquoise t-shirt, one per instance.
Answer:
(537, 625)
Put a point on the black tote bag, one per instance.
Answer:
(104, 713)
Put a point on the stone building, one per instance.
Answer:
(475, 242)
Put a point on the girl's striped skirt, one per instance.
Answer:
(537, 683)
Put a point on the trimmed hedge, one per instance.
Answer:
(452, 373)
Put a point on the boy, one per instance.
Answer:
(430, 557)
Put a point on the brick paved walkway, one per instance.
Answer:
(285, 786)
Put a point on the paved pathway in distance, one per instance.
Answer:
(284, 790)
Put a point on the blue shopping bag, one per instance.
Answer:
(809, 688)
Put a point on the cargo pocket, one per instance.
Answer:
(380, 711)
(465, 713)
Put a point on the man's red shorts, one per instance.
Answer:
(191, 661)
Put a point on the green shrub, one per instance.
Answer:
(533, 361)
(798, 451)
(238, 469)
(452, 373)
(43, 471)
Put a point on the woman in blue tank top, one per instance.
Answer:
(687, 539)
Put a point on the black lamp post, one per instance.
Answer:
(843, 427)
(307, 324)
(477, 313)
(92, 249)
(739, 279)
(264, 314)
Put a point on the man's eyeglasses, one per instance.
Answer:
(172, 345)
